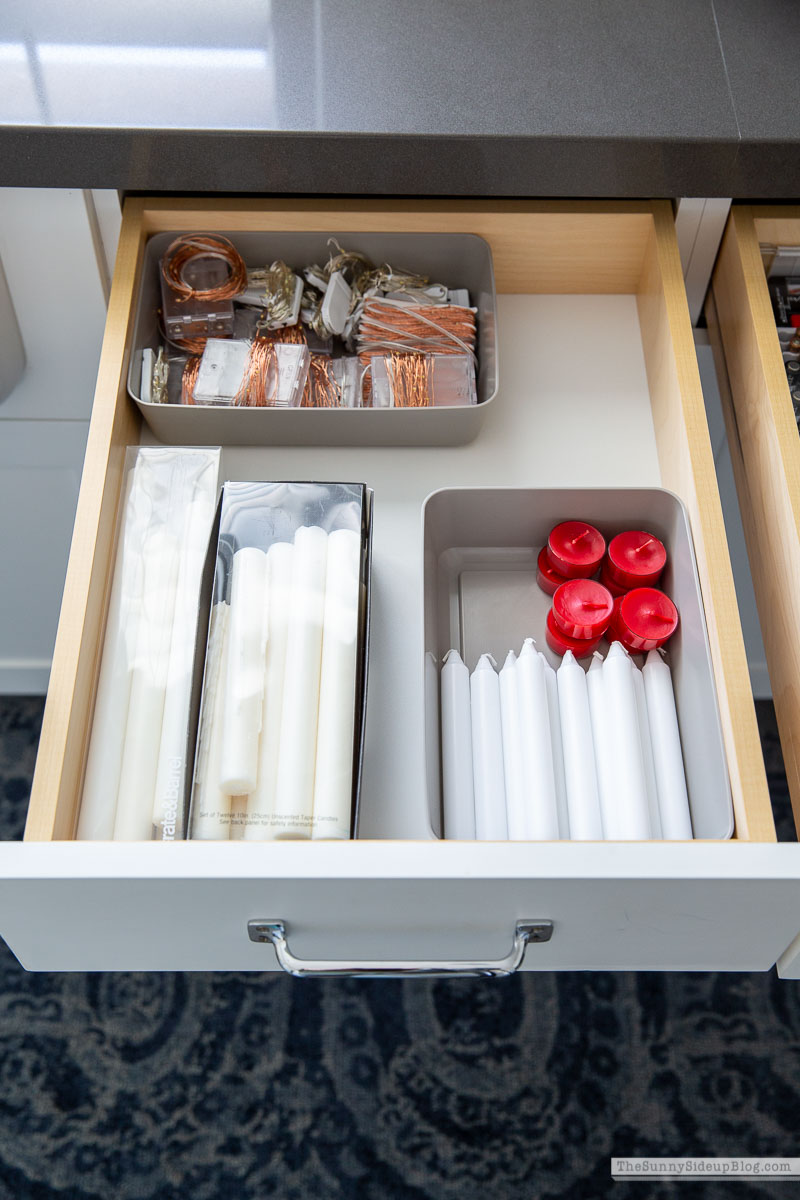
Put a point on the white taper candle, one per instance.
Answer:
(333, 778)
(487, 753)
(457, 780)
(294, 801)
(558, 750)
(517, 797)
(647, 754)
(104, 761)
(134, 816)
(261, 804)
(211, 807)
(244, 680)
(173, 769)
(628, 820)
(673, 800)
(604, 763)
(541, 813)
(585, 823)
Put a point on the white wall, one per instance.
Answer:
(55, 262)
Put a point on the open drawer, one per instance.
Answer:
(598, 386)
(765, 446)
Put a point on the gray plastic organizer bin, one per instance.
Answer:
(481, 594)
(456, 259)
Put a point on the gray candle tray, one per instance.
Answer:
(481, 595)
(457, 260)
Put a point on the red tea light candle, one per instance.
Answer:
(559, 643)
(575, 549)
(548, 579)
(582, 609)
(634, 559)
(609, 583)
(643, 619)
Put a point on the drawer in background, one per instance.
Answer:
(599, 388)
(765, 448)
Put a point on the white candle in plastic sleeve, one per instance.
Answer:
(134, 816)
(647, 754)
(244, 680)
(551, 683)
(261, 804)
(673, 800)
(298, 745)
(211, 807)
(630, 819)
(604, 764)
(457, 780)
(487, 753)
(513, 763)
(333, 780)
(541, 813)
(585, 823)
(104, 762)
(173, 768)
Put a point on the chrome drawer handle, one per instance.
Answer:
(275, 932)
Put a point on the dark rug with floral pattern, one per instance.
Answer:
(210, 1087)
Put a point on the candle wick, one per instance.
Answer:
(657, 616)
(644, 545)
(592, 605)
(579, 538)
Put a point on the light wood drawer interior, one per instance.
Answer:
(618, 261)
(765, 448)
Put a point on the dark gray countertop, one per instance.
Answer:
(404, 97)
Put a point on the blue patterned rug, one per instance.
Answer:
(209, 1087)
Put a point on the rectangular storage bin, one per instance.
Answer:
(600, 389)
(481, 595)
(455, 259)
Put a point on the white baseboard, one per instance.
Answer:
(759, 681)
(24, 676)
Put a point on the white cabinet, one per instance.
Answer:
(49, 255)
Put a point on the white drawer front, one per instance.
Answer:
(89, 907)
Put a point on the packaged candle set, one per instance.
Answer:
(141, 748)
(281, 728)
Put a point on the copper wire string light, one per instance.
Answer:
(189, 379)
(410, 379)
(438, 329)
(189, 246)
(260, 383)
(397, 330)
(322, 390)
(294, 335)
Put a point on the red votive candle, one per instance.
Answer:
(575, 549)
(634, 559)
(643, 619)
(582, 609)
(609, 583)
(559, 643)
(548, 579)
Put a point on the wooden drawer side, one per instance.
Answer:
(765, 452)
(687, 468)
(52, 811)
